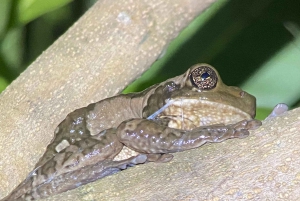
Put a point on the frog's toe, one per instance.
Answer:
(132, 161)
(123, 167)
(253, 124)
(165, 158)
(241, 133)
(247, 124)
(159, 158)
(278, 110)
(141, 158)
(240, 125)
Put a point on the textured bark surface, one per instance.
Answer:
(264, 166)
(112, 44)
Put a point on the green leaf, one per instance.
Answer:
(4, 14)
(277, 81)
(262, 113)
(28, 10)
(3, 84)
(11, 49)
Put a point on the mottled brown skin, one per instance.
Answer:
(90, 143)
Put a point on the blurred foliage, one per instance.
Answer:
(253, 44)
(28, 27)
(28, 10)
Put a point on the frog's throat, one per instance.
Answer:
(191, 113)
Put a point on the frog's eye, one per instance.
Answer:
(204, 78)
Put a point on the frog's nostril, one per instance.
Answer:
(242, 94)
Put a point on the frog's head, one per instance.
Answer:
(202, 97)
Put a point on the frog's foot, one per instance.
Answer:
(241, 128)
(159, 158)
(279, 109)
(246, 124)
(219, 133)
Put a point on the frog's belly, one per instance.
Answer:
(188, 114)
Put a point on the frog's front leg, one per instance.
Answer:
(147, 136)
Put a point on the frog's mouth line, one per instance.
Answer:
(191, 113)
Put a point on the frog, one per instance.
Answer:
(181, 113)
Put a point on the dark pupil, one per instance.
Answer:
(205, 75)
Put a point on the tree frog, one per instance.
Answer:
(103, 138)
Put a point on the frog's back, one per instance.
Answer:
(90, 121)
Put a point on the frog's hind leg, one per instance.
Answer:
(70, 180)
(147, 136)
(87, 174)
(71, 130)
(72, 160)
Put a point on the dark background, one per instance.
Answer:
(237, 37)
